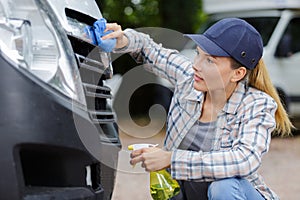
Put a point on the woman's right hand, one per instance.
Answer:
(117, 33)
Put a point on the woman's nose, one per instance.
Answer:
(197, 63)
(196, 68)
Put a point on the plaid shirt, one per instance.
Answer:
(244, 125)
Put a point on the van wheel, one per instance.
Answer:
(283, 98)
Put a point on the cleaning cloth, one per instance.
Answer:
(96, 32)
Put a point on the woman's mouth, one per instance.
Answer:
(197, 78)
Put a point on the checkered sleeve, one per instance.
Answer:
(166, 63)
(244, 156)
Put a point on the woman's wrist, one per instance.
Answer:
(168, 158)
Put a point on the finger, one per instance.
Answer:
(146, 166)
(137, 159)
(136, 153)
(143, 165)
(113, 27)
(115, 34)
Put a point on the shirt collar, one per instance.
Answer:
(233, 102)
(194, 95)
(236, 98)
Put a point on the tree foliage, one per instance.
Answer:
(131, 13)
(179, 15)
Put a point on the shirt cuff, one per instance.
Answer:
(130, 34)
(180, 162)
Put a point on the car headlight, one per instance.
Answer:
(30, 40)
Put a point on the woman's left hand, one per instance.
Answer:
(153, 158)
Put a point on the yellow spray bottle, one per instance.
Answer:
(162, 185)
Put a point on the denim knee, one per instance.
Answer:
(225, 189)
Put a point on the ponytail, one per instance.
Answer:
(259, 79)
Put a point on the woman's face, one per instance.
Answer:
(211, 73)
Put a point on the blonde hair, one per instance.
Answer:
(259, 78)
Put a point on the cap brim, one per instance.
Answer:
(207, 45)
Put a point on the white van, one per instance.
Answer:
(58, 133)
(278, 21)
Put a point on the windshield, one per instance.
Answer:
(264, 25)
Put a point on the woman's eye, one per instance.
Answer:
(197, 52)
(209, 60)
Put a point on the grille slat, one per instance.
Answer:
(97, 91)
(102, 117)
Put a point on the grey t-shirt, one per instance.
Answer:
(198, 138)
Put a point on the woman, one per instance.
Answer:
(222, 114)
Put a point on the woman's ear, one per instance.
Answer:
(239, 74)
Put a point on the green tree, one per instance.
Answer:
(131, 13)
(179, 15)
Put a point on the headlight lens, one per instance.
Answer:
(29, 39)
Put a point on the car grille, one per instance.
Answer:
(93, 71)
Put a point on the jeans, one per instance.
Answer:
(233, 188)
(225, 189)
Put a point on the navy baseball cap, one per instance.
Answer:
(232, 37)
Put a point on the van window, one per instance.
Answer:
(290, 41)
(264, 25)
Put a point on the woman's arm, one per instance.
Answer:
(244, 157)
(166, 63)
